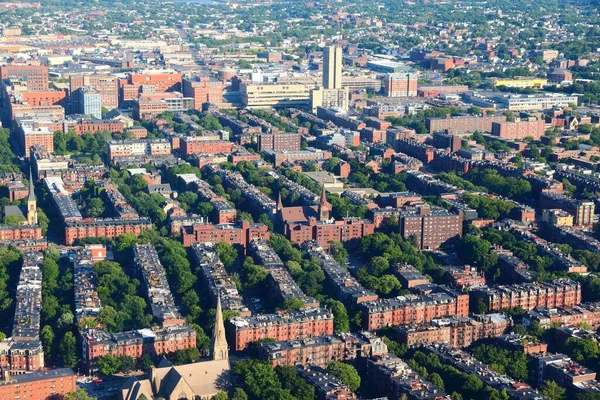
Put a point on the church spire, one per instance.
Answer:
(31, 187)
(279, 202)
(324, 206)
(32, 214)
(219, 348)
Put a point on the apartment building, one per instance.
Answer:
(104, 227)
(400, 84)
(320, 350)
(294, 325)
(588, 313)
(454, 331)
(278, 142)
(463, 124)
(442, 301)
(106, 85)
(324, 233)
(520, 129)
(192, 145)
(527, 296)
(282, 286)
(583, 211)
(39, 384)
(430, 226)
(155, 342)
(239, 234)
(139, 147)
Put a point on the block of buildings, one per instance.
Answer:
(346, 287)
(157, 287)
(220, 283)
(321, 350)
(454, 331)
(294, 325)
(281, 284)
(441, 302)
(558, 293)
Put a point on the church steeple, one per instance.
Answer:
(324, 206)
(32, 214)
(279, 203)
(218, 346)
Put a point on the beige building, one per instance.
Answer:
(263, 95)
(557, 217)
(329, 98)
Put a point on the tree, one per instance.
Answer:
(298, 387)
(220, 396)
(551, 390)
(145, 362)
(68, 350)
(95, 207)
(79, 394)
(345, 373)
(13, 220)
(126, 364)
(379, 265)
(341, 321)
(437, 380)
(293, 303)
(108, 364)
(227, 254)
(239, 394)
(47, 338)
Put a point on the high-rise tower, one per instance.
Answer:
(332, 67)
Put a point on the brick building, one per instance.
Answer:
(104, 227)
(430, 226)
(81, 126)
(527, 296)
(154, 342)
(414, 309)
(39, 385)
(20, 232)
(400, 84)
(294, 325)
(454, 331)
(324, 233)
(161, 81)
(443, 140)
(106, 85)
(520, 129)
(279, 142)
(321, 350)
(239, 234)
(203, 90)
(463, 124)
(35, 75)
(191, 145)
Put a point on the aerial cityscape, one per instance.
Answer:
(299, 200)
